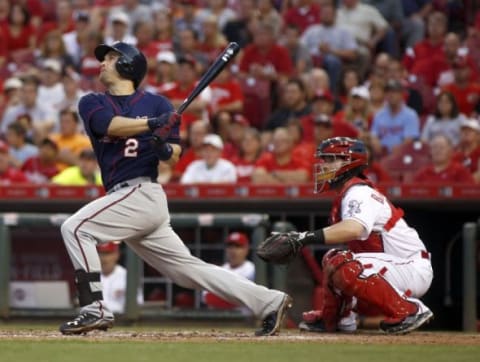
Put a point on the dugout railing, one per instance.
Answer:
(255, 224)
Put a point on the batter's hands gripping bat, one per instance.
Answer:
(217, 66)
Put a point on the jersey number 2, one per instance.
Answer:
(131, 148)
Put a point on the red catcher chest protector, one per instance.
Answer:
(374, 242)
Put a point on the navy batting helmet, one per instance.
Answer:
(131, 64)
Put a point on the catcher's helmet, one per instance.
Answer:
(131, 64)
(341, 158)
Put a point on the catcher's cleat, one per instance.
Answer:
(407, 324)
(317, 327)
(271, 323)
(85, 323)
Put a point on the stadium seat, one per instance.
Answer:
(405, 162)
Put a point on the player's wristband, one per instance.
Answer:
(165, 151)
(314, 237)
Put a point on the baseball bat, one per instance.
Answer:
(217, 66)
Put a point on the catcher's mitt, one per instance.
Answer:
(281, 248)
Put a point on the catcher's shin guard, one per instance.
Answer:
(375, 290)
(82, 282)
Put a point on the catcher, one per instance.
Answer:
(386, 268)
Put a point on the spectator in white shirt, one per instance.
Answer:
(114, 277)
(211, 168)
(236, 253)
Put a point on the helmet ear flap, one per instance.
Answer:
(124, 67)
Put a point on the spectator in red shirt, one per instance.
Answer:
(143, 31)
(163, 30)
(196, 133)
(41, 168)
(8, 174)
(424, 58)
(465, 91)
(250, 150)
(186, 80)
(264, 59)
(443, 168)
(227, 99)
(63, 21)
(375, 172)
(18, 34)
(303, 14)
(303, 149)
(280, 166)
(468, 149)
(237, 126)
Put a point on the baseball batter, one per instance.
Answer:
(386, 268)
(131, 130)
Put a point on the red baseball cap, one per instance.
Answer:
(109, 247)
(237, 239)
(240, 119)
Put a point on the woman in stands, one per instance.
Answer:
(445, 120)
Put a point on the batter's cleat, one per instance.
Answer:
(272, 322)
(407, 324)
(85, 323)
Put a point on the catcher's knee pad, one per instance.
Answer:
(374, 290)
(85, 294)
(334, 258)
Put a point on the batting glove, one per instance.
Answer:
(161, 126)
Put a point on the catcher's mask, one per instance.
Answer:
(340, 159)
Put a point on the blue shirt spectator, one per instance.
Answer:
(413, 6)
(396, 123)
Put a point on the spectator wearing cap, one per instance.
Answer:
(187, 78)
(464, 89)
(237, 247)
(136, 11)
(42, 117)
(330, 45)
(11, 91)
(446, 119)
(250, 151)
(468, 149)
(281, 166)
(303, 14)
(211, 168)
(19, 149)
(443, 168)
(196, 133)
(86, 173)
(325, 127)
(357, 111)
(9, 175)
(294, 105)
(50, 90)
(395, 124)
(69, 140)
(413, 97)
(41, 168)
(235, 132)
(114, 277)
(163, 78)
(72, 40)
(119, 29)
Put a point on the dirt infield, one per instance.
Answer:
(204, 335)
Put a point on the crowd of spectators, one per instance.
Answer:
(403, 76)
